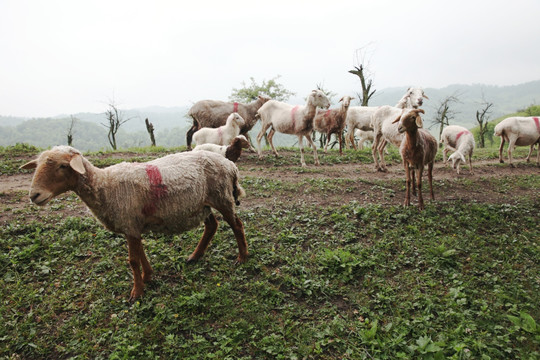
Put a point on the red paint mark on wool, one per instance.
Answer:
(158, 190)
(235, 107)
(327, 113)
(293, 112)
(462, 133)
(537, 123)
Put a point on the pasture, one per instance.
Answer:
(338, 268)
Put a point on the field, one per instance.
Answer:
(338, 268)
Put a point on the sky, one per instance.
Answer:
(71, 56)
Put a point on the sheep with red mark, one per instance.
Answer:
(332, 121)
(417, 149)
(520, 131)
(168, 195)
(214, 113)
(231, 152)
(461, 141)
(222, 135)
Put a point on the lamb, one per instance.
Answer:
(363, 136)
(417, 149)
(461, 141)
(213, 114)
(333, 121)
(520, 131)
(358, 118)
(383, 127)
(231, 152)
(168, 195)
(222, 135)
(289, 119)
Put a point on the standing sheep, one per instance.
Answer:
(333, 121)
(294, 120)
(168, 195)
(520, 131)
(222, 135)
(461, 141)
(417, 149)
(213, 114)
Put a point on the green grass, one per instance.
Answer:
(458, 280)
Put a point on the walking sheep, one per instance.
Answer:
(168, 195)
(332, 121)
(222, 135)
(417, 149)
(520, 131)
(294, 120)
(461, 141)
(213, 114)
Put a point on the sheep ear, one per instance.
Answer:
(29, 165)
(419, 122)
(77, 164)
(397, 119)
(424, 95)
(340, 100)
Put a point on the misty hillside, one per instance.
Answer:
(172, 123)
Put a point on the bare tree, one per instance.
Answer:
(70, 132)
(115, 119)
(445, 112)
(482, 118)
(362, 72)
(150, 129)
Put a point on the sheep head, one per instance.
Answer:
(409, 120)
(318, 98)
(237, 119)
(57, 171)
(346, 101)
(416, 97)
(457, 158)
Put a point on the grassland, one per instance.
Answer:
(338, 269)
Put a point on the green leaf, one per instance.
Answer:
(527, 322)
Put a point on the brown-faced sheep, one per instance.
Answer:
(168, 195)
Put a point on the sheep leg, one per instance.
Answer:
(470, 163)
(270, 137)
(376, 142)
(530, 152)
(419, 172)
(350, 138)
(511, 146)
(328, 135)
(314, 147)
(413, 182)
(430, 179)
(137, 258)
(407, 185)
(501, 150)
(210, 228)
(301, 146)
(380, 150)
(238, 229)
(340, 138)
(189, 135)
(259, 138)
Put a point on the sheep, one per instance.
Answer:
(289, 119)
(363, 136)
(332, 121)
(168, 195)
(417, 149)
(231, 152)
(461, 141)
(213, 114)
(520, 131)
(358, 117)
(383, 127)
(222, 135)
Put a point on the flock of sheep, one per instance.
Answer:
(176, 193)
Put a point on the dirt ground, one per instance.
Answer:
(362, 183)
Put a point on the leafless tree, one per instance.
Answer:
(70, 131)
(445, 112)
(115, 119)
(361, 70)
(482, 118)
(150, 129)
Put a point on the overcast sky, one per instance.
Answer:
(69, 56)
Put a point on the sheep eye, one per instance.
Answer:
(63, 166)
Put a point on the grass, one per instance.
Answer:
(458, 280)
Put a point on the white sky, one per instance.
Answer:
(69, 56)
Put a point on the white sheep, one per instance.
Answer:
(358, 118)
(168, 195)
(222, 135)
(332, 121)
(520, 131)
(231, 152)
(294, 120)
(461, 141)
(363, 136)
(387, 131)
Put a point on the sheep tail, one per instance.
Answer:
(238, 191)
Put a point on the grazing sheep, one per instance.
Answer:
(168, 195)
(289, 119)
(383, 127)
(213, 114)
(363, 136)
(520, 131)
(222, 135)
(417, 149)
(332, 121)
(231, 152)
(461, 141)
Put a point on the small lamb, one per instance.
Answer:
(461, 141)
(222, 135)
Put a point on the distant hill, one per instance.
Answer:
(172, 123)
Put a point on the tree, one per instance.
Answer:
(270, 88)
(70, 132)
(150, 129)
(482, 118)
(365, 79)
(115, 119)
(445, 113)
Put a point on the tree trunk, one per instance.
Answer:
(150, 129)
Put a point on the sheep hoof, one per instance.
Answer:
(135, 294)
(501, 161)
(191, 259)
